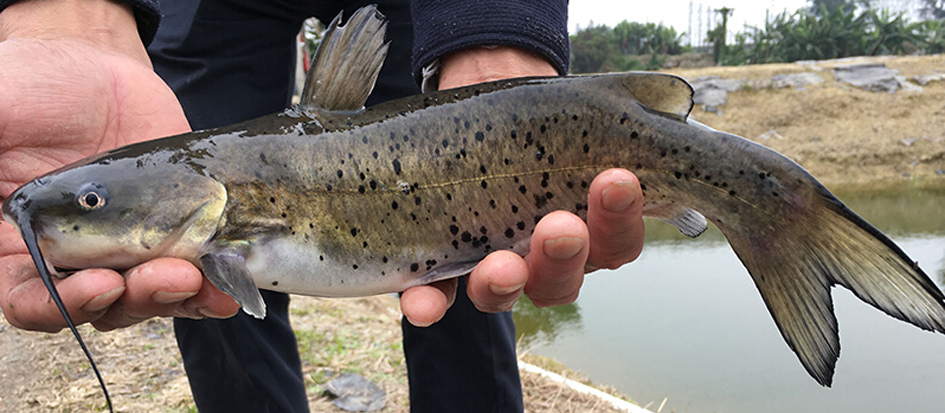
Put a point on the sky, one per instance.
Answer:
(675, 13)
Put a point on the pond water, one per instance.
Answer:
(686, 323)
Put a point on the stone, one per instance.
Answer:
(874, 77)
(798, 80)
(354, 393)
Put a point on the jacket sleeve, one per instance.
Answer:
(444, 26)
(147, 14)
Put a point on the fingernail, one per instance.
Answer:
(500, 290)
(415, 324)
(618, 196)
(102, 301)
(563, 248)
(167, 297)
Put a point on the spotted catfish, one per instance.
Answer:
(331, 199)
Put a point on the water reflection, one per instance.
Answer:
(686, 322)
(535, 325)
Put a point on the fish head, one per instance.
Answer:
(116, 215)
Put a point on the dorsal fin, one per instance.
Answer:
(347, 62)
(663, 93)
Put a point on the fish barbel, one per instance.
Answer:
(331, 199)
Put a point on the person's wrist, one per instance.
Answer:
(107, 24)
(484, 64)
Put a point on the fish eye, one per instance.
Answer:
(92, 197)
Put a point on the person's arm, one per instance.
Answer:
(563, 247)
(76, 81)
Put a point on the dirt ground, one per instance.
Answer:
(844, 136)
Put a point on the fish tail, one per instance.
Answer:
(824, 246)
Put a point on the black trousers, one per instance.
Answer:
(233, 60)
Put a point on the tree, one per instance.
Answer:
(592, 48)
(832, 6)
(717, 35)
(933, 9)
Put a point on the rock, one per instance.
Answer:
(797, 80)
(924, 80)
(906, 86)
(716, 82)
(874, 77)
(770, 134)
(355, 393)
(940, 171)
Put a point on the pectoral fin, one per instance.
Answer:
(686, 220)
(228, 273)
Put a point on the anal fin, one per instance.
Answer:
(686, 220)
(229, 274)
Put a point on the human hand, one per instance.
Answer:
(70, 91)
(563, 247)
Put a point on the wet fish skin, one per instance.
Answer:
(318, 201)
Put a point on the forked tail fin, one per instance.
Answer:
(825, 246)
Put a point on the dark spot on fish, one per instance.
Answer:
(455, 244)
(509, 233)
(492, 203)
(354, 232)
(396, 166)
(551, 159)
(414, 267)
(624, 118)
(522, 189)
(75, 227)
(311, 225)
(634, 135)
(774, 193)
(482, 169)
(584, 184)
(364, 139)
(361, 189)
(579, 206)
(283, 215)
(394, 205)
(675, 151)
(639, 166)
(520, 225)
(480, 136)
(449, 197)
(465, 236)
(677, 174)
(393, 136)
(416, 200)
(321, 258)
(455, 120)
(483, 230)
(643, 187)
(272, 199)
(275, 283)
(340, 173)
(462, 152)
(761, 175)
(569, 184)
(466, 124)
(329, 187)
(663, 153)
(374, 154)
(454, 229)
(514, 209)
(686, 149)
(406, 138)
(540, 201)
(741, 172)
(732, 193)
(373, 184)
(587, 148)
(543, 128)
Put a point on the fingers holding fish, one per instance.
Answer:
(556, 259)
(426, 304)
(27, 305)
(615, 219)
(497, 282)
(165, 287)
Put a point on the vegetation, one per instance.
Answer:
(828, 29)
(604, 49)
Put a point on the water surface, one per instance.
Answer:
(685, 322)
